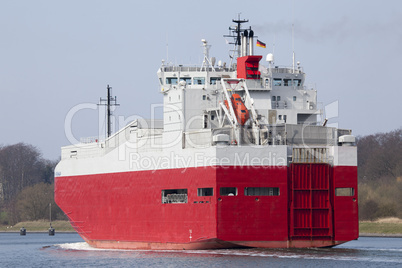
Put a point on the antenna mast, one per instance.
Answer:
(236, 34)
(293, 47)
(109, 102)
(293, 35)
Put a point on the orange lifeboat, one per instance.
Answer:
(239, 108)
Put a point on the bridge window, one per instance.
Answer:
(171, 80)
(277, 82)
(214, 80)
(199, 81)
(261, 191)
(228, 191)
(174, 196)
(297, 82)
(344, 192)
(186, 79)
(205, 191)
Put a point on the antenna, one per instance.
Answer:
(293, 48)
(236, 32)
(206, 62)
(110, 101)
(167, 48)
(293, 36)
(273, 46)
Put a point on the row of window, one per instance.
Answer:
(287, 82)
(213, 80)
(192, 80)
(250, 191)
(278, 98)
(181, 195)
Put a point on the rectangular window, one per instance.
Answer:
(297, 82)
(171, 80)
(228, 191)
(204, 97)
(344, 192)
(186, 79)
(280, 117)
(273, 98)
(287, 82)
(205, 121)
(199, 80)
(278, 98)
(277, 82)
(174, 196)
(205, 191)
(261, 191)
(214, 80)
(294, 98)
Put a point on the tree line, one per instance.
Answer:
(27, 188)
(380, 175)
(26, 185)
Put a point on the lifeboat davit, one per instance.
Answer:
(239, 108)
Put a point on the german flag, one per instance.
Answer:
(261, 44)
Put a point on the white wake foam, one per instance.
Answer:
(83, 246)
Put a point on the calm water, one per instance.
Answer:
(41, 250)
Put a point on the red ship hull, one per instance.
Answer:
(125, 210)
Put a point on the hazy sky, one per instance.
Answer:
(56, 56)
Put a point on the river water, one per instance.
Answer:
(68, 249)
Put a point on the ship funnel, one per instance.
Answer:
(245, 43)
(251, 43)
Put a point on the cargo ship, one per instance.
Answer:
(243, 157)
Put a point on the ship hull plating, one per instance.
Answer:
(127, 210)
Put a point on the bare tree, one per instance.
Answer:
(33, 203)
(21, 165)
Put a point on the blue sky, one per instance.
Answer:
(55, 55)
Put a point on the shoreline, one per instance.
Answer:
(386, 227)
(44, 232)
(74, 232)
(380, 235)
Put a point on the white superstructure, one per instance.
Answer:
(283, 119)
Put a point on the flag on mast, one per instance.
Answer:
(261, 44)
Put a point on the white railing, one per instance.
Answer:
(90, 140)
